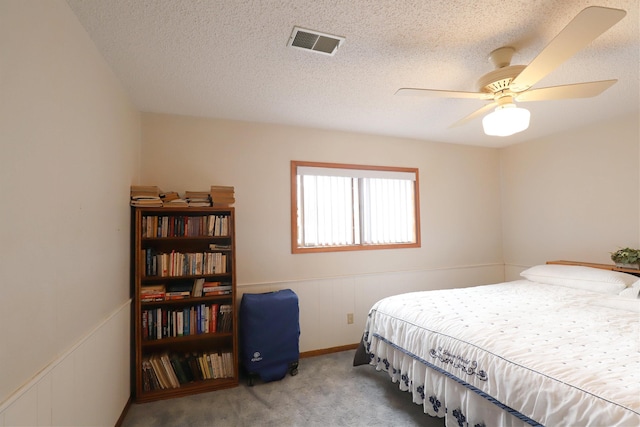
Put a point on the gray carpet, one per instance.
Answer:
(328, 391)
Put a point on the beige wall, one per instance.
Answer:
(459, 198)
(459, 192)
(69, 151)
(572, 196)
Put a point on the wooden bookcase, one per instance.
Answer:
(175, 247)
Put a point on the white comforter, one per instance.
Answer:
(543, 354)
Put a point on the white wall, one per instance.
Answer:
(70, 142)
(459, 197)
(572, 196)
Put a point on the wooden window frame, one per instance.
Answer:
(295, 249)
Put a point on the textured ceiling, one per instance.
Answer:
(229, 59)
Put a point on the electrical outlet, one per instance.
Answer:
(349, 318)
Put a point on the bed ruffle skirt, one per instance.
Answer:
(440, 395)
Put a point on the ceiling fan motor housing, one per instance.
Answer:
(500, 79)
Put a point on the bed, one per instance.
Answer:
(561, 347)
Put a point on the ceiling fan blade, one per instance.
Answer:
(578, 90)
(405, 91)
(582, 30)
(475, 114)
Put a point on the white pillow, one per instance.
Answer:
(574, 276)
(630, 292)
(625, 304)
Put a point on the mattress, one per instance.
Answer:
(512, 354)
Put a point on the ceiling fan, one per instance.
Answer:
(509, 83)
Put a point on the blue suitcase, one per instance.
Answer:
(269, 335)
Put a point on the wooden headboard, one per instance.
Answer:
(595, 265)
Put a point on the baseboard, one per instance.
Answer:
(330, 350)
(124, 413)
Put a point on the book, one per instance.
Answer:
(216, 288)
(213, 318)
(150, 377)
(177, 203)
(230, 367)
(145, 195)
(198, 286)
(150, 293)
(159, 371)
(177, 368)
(169, 296)
(224, 318)
(147, 203)
(184, 363)
(198, 198)
(192, 362)
(169, 196)
(152, 297)
(214, 293)
(222, 195)
(152, 289)
(172, 199)
(146, 376)
(210, 366)
(144, 192)
(173, 379)
(219, 247)
(172, 370)
(202, 361)
(218, 225)
(180, 287)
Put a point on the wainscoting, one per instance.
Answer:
(87, 385)
(325, 303)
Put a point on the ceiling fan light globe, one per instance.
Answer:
(506, 120)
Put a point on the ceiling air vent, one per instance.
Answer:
(315, 41)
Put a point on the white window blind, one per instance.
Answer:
(344, 207)
(387, 211)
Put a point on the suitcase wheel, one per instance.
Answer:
(293, 369)
(250, 378)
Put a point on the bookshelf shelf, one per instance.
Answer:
(153, 279)
(189, 389)
(186, 301)
(187, 344)
(200, 338)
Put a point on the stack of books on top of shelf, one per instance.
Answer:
(171, 199)
(150, 293)
(222, 195)
(215, 288)
(198, 198)
(178, 290)
(145, 195)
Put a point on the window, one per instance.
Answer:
(337, 207)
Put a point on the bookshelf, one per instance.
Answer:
(183, 289)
